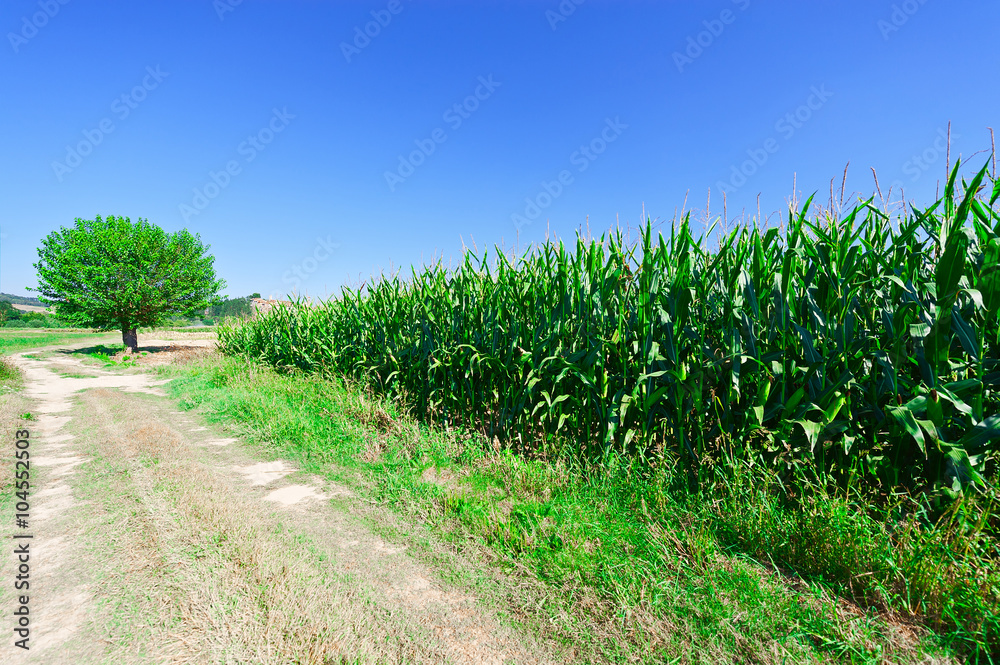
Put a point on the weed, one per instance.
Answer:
(636, 563)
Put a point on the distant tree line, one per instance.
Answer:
(11, 317)
(231, 307)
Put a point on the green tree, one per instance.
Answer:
(7, 311)
(117, 274)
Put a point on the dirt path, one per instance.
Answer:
(158, 540)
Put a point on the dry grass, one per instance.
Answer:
(12, 406)
(207, 572)
(169, 354)
(226, 584)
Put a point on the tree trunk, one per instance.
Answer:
(130, 338)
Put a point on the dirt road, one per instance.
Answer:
(157, 539)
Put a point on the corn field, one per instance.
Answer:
(860, 348)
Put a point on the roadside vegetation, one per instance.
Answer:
(792, 435)
(9, 372)
(14, 414)
(19, 339)
(624, 564)
(10, 375)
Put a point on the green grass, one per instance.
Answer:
(19, 339)
(638, 565)
(11, 378)
(110, 355)
(8, 371)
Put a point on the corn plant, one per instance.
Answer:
(853, 348)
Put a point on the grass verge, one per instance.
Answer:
(10, 376)
(641, 569)
(14, 415)
(19, 339)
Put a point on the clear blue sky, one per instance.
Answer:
(310, 114)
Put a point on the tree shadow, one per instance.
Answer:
(102, 349)
(152, 354)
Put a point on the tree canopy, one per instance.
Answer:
(113, 273)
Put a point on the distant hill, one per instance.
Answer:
(20, 300)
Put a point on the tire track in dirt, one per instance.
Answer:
(211, 554)
(60, 591)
